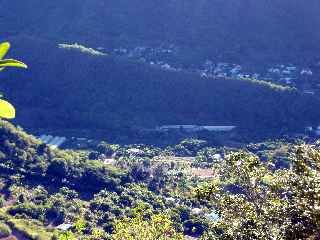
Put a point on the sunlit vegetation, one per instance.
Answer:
(62, 177)
(131, 179)
(255, 200)
(159, 227)
(32, 229)
(6, 109)
(82, 49)
(5, 230)
(154, 193)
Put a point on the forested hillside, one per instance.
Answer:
(64, 87)
(244, 30)
(67, 88)
(159, 119)
(192, 189)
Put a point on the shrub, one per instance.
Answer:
(1, 201)
(254, 200)
(158, 228)
(5, 230)
(104, 148)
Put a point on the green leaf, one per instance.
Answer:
(7, 110)
(12, 63)
(4, 48)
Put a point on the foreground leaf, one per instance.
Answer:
(12, 63)
(7, 110)
(4, 48)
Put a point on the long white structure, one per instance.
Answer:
(53, 142)
(219, 128)
(196, 128)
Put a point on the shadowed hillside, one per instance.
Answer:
(68, 88)
(235, 30)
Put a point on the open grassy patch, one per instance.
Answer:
(32, 229)
(5, 230)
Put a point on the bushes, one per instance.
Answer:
(159, 227)
(21, 153)
(104, 148)
(2, 200)
(29, 210)
(188, 147)
(263, 202)
(32, 229)
(5, 230)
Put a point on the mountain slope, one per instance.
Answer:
(67, 88)
(245, 30)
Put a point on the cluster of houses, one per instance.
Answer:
(164, 57)
(288, 75)
(280, 73)
(211, 69)
(157, 57)
(302, 78)
(151, 55)
(141, 51)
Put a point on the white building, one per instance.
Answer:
(219, 128)
(64, 227)
(188, 128)
(311, 92)
(306, 72)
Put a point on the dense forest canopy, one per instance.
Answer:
(95, 91)
(71, 88)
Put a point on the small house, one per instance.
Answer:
(64, 227)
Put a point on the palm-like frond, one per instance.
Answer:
(6, 109)
(11, 63)
(4, 48)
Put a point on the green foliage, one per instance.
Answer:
(82, 49)
(26, 155)
(159, 227)
(188, 147)
(248, 199)
(68, 235)
(4, 48)
(104, 148)
(256, 201)
(11, 63)
(2, 200)
(5, 230)
(29, 210)
(6, 109)
(32, 229)
(80, 226)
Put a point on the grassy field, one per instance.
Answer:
(31, 229)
